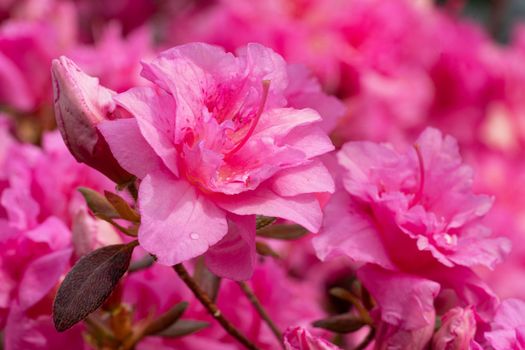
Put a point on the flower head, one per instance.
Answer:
(409, 210)
(458, 328)
(214, 140)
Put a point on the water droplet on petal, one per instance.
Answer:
(194, 235)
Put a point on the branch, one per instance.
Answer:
(261, 310)
(211, 307)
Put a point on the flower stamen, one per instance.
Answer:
(419, 194)
(255, 120)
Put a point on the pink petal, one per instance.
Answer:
(14, 89)
(476, 250)
(184, 72)
(346, 231)
(22, 210)
(154, 111)
(468, 287)
(129, 147)
(234, 256)
(404, 300)
(178, 222)
(263, 62)
(299, 338)
(41, 276)
(278, 122)
(52, 232)
(311, 140)
(309, 178)
(23, 332)
(358, 159)
(302, 209)
(510, 314)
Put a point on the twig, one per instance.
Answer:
(346, 295)
(156, 326)
(211, 307)
(261, 310)
(144, 263)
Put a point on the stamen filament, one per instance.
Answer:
(255, 121)
(419, 193)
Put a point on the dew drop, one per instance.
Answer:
(194, 235)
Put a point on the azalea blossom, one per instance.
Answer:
(412, 215)
(215, 142)
(298, 338)
(38, 208)
(457, 331)
(410, 210)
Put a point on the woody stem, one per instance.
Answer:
(261, 310)
(210, 306)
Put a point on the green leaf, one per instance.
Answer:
(208, 281)
(182, 328)
(122, 207)
(282, 231)
(99, 205)
(263, 221)
(89, 283)
(144, 263)
(345, 323)
(167, 320)
(265, 250)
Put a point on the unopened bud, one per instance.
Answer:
(298, 338)
(81, 103)
(458, 327)
(90, 234)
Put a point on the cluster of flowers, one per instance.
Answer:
(301, 158)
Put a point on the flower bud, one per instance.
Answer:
(458, 327)
(397, 337)
(81, 103)
(90, 233)
(298, 338)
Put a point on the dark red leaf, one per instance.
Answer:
(89, 284)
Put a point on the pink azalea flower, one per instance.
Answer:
(304, 91)
(27, 46)
(412, 213)
(298, 338)
(25, 332)
(457, 331)
(24, 52)
(410, 210)
(215, 143)
(38, 205)
(508, 328)
(405, 304)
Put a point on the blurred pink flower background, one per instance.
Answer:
(358, 166)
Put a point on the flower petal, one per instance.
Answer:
(302, 209)
(309, 178)
(346, 232)
(178, 223)
(154, 111)
(234, 256)
(129, 147)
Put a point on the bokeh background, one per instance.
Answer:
(399, 66)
